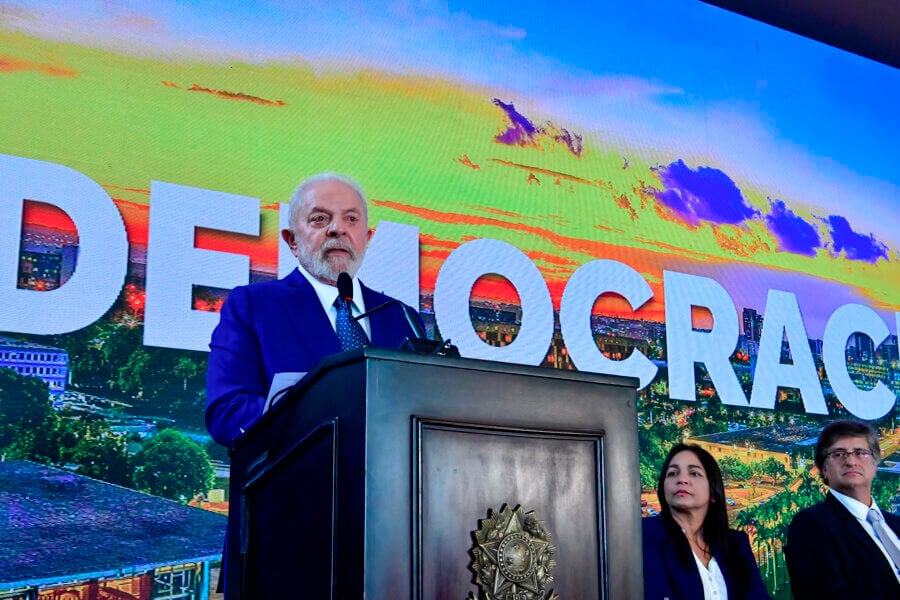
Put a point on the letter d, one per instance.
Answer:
(102, 248)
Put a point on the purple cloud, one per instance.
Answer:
(855, 245)
(522, 132)
(704, 194)
(792, 233)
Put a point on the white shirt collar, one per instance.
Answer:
(856, 508)
(861, 511)
(327, 293)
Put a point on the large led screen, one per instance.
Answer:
(662, 190)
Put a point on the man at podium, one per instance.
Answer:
(276, 331)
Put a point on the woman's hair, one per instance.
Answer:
(715, 525)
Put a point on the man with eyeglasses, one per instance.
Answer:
(845, 546)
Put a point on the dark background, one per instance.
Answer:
(870, 28)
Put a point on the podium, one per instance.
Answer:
(374, 477)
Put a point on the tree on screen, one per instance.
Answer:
(104, 457)
(173, 466)
(774, 469)
(24, 404)
(186, 369)
(26, 413)
(734, 469)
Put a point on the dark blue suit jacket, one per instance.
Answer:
(271, 327)
(666, 577)
(830, 555)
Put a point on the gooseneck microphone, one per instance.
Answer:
(411, 319)
(345, 287)
(419, 342)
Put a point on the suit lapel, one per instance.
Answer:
(685, 580)
(893, 521)
(373, 299)
(311, 325)
(307, 317)
(383, 325)
(855, 533)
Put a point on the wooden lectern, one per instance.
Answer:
(375, 476)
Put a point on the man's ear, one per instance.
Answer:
(369, 233)
(288, 236)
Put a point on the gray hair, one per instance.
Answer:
(297, 196)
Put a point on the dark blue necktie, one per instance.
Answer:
(349, 332)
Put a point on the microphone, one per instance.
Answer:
(411, 319)
(419, 343)
(345, 287)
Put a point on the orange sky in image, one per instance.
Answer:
(263, 252)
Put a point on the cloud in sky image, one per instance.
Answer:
(794, 234)
(855, 245)
(702, 194)
(610, 141)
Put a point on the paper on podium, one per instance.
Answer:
(280, 383)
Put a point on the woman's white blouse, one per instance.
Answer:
(713, 581)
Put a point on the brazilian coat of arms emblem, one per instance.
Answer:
(512, 557)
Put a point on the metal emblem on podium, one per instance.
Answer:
(512, 557)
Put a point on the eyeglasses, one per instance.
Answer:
(842, 455)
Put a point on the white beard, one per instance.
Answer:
(320, 267)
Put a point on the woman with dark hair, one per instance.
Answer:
(689, 551)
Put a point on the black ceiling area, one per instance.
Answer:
(870, 28)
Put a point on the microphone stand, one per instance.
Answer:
(417, 343)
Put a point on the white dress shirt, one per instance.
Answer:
(714, 587)
(859, 511)
(327, 294)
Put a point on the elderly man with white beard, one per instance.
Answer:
(288, 325)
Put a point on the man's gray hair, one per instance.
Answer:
(297, 196)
